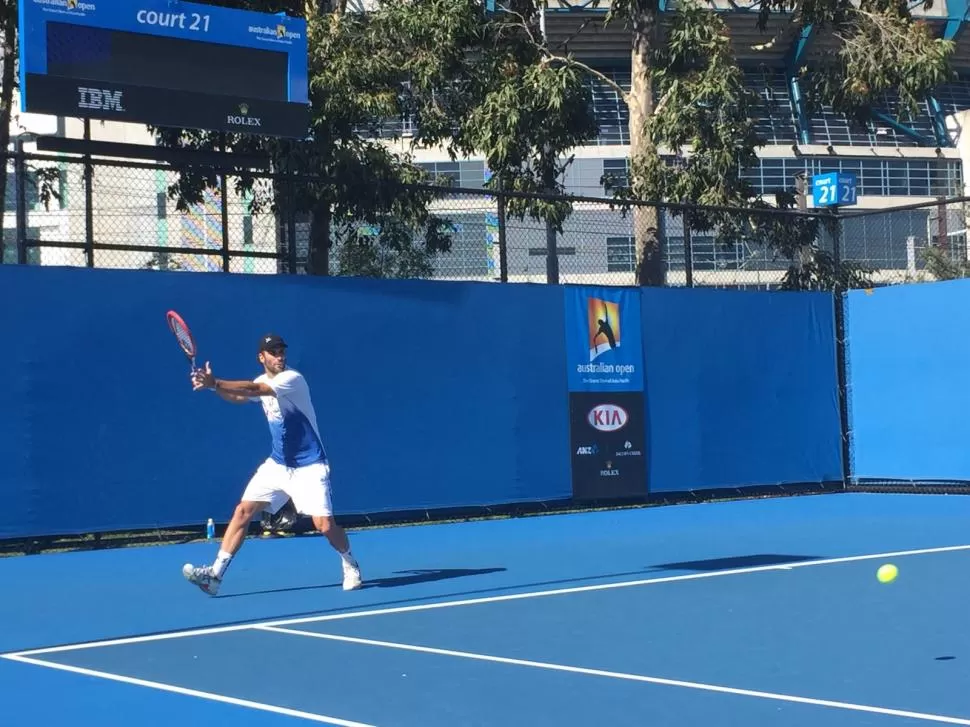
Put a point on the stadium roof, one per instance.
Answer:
(577, 26)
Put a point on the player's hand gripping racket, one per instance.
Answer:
(183, 335)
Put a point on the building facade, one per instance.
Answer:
(920, 161)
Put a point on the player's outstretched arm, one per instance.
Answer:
(233, 398)
(235, 391)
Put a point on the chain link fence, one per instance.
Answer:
(114, 213)
(915, 243)
(119, 214)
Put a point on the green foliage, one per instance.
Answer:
(702, 123)
(488, 86)
(337, 177)
(943, 265)
(881, 48)
(473, 86)
(8, 79)
(524, 125)
(386, 252)
(704, 118)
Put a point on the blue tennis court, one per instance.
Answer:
(756, 612)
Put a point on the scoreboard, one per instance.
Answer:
(165, 63)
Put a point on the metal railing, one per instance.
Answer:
(115, 213)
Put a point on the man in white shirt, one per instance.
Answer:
(297, 467)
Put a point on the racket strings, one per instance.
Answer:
(182, 335)
(183, 339)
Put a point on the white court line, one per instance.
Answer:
(193, 693)
(627, 677)
(485, 599)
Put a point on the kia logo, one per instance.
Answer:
(607, 417)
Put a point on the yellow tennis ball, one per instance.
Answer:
(887, 573)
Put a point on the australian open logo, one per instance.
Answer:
(603, 319)
(603, 342)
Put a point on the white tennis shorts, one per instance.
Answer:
(308, 486)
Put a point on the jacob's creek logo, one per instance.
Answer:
(607, 417)
(243, 118)
(629, 451)
(604, 332)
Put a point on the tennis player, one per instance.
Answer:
(297, 467)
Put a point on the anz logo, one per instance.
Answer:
(99, 99)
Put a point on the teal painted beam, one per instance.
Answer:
(795, 57)
(957, 12)
(903, 129)
(939, 123)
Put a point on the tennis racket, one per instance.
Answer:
(183, 335)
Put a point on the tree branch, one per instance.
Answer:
(572, 62)
(579, 31)
(591, 71)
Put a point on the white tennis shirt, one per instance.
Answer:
(292, 420)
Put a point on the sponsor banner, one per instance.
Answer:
(165, 107)
(607, 440)
(191, 21)
(604, 349)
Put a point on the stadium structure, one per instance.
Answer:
(896, 164)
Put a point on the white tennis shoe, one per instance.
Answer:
(202, 577)
(352, 580)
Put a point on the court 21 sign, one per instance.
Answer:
(834, 189)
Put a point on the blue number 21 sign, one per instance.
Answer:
(833, 189)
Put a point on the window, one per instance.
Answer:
(619, 254)
(10, 246)
(30, 193)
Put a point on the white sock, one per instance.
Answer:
(222, 562)
(348, 558)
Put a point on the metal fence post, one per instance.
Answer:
(224, 204)
(3, 209)
(503, 250)
(837, 243)
(88, 200)
(20, 185)
(842, 383)
(688, 253)
(552, 254)
(291, 177)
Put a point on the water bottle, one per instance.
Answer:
(210, 529)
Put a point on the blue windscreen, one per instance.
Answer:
(909, 406)
(428, 395)
(742, 388)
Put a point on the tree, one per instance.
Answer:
(339, 179)
(706, 116)
(46, 178)
(701, 117)
(472, 83)
(8, 56)
(509, 104)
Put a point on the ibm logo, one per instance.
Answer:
(99, 99)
